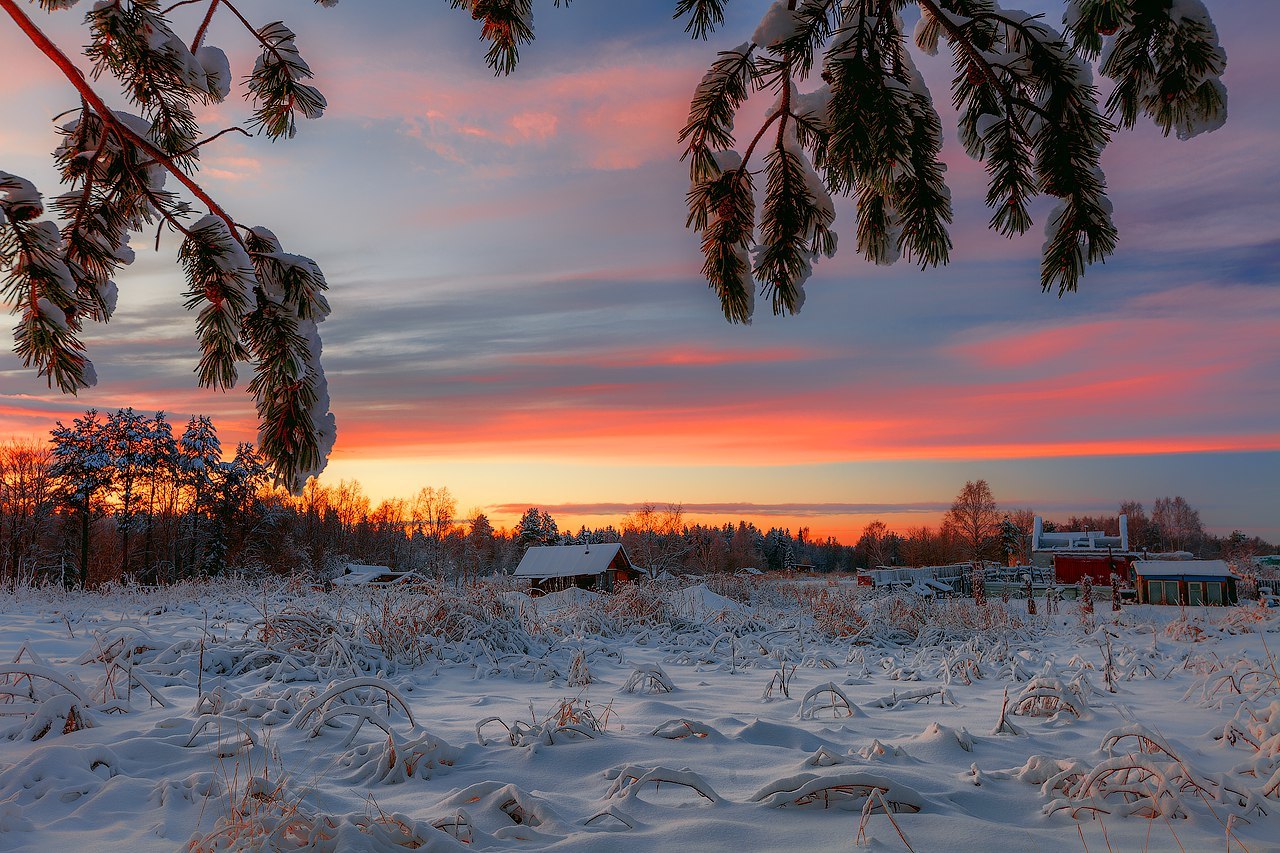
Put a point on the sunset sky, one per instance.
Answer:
(518, 314)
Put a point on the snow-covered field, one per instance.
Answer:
(242, 717)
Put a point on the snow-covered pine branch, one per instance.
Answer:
(505, 25)
(704, 16)
(1165, 60)
(795, 225)
(41, 287)
(722, 90)
(115, 166)
(1028, 109)
(134, 43)
(729, 204)
(276, 84)
(289, 385)
(222, 282)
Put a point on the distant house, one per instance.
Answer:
(362, 575)
(554, 567)
(1185, 582)
(1074, 554)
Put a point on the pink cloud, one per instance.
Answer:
(535, 125)
(227, 167)
(611, 116)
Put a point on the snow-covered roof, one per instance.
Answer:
(891, 576)
(748, 570)
(1196, 568)
(566, 561)
(362, 575)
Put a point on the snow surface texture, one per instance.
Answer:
(777, 716)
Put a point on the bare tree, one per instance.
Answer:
(433, 513)
(26, 503)
(654, 537)
(924, 546)
(877, 543)
(1142, 534)
(390, 521)
(974, 520)
(1179, 524)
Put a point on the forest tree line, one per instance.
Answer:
(125, 496)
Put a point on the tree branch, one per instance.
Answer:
(248, 26)
(203, 142)
(957, 37)
(77, 79)
(204, 26)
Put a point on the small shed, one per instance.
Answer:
(554, 567)
(1190, 583)
(362, 575)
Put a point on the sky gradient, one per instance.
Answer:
(518, 315)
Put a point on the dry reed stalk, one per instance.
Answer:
(867, 808)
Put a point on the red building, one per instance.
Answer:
(1071, 568)
(1074, 554)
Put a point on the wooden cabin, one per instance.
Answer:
(599, 567)
(1189, 583)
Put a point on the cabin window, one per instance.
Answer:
(1162, 592)
(1213, 592)
(1195, 593)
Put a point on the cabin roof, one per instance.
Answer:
(567, 561)
(1183, 568)
(362, 575)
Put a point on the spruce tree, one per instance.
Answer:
(1012, 539)
(199, 470)
(132, 458)
(82, 466)
(481, 546)
(162, 449)
(550, 530)
(236, 505)
(529, 529)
